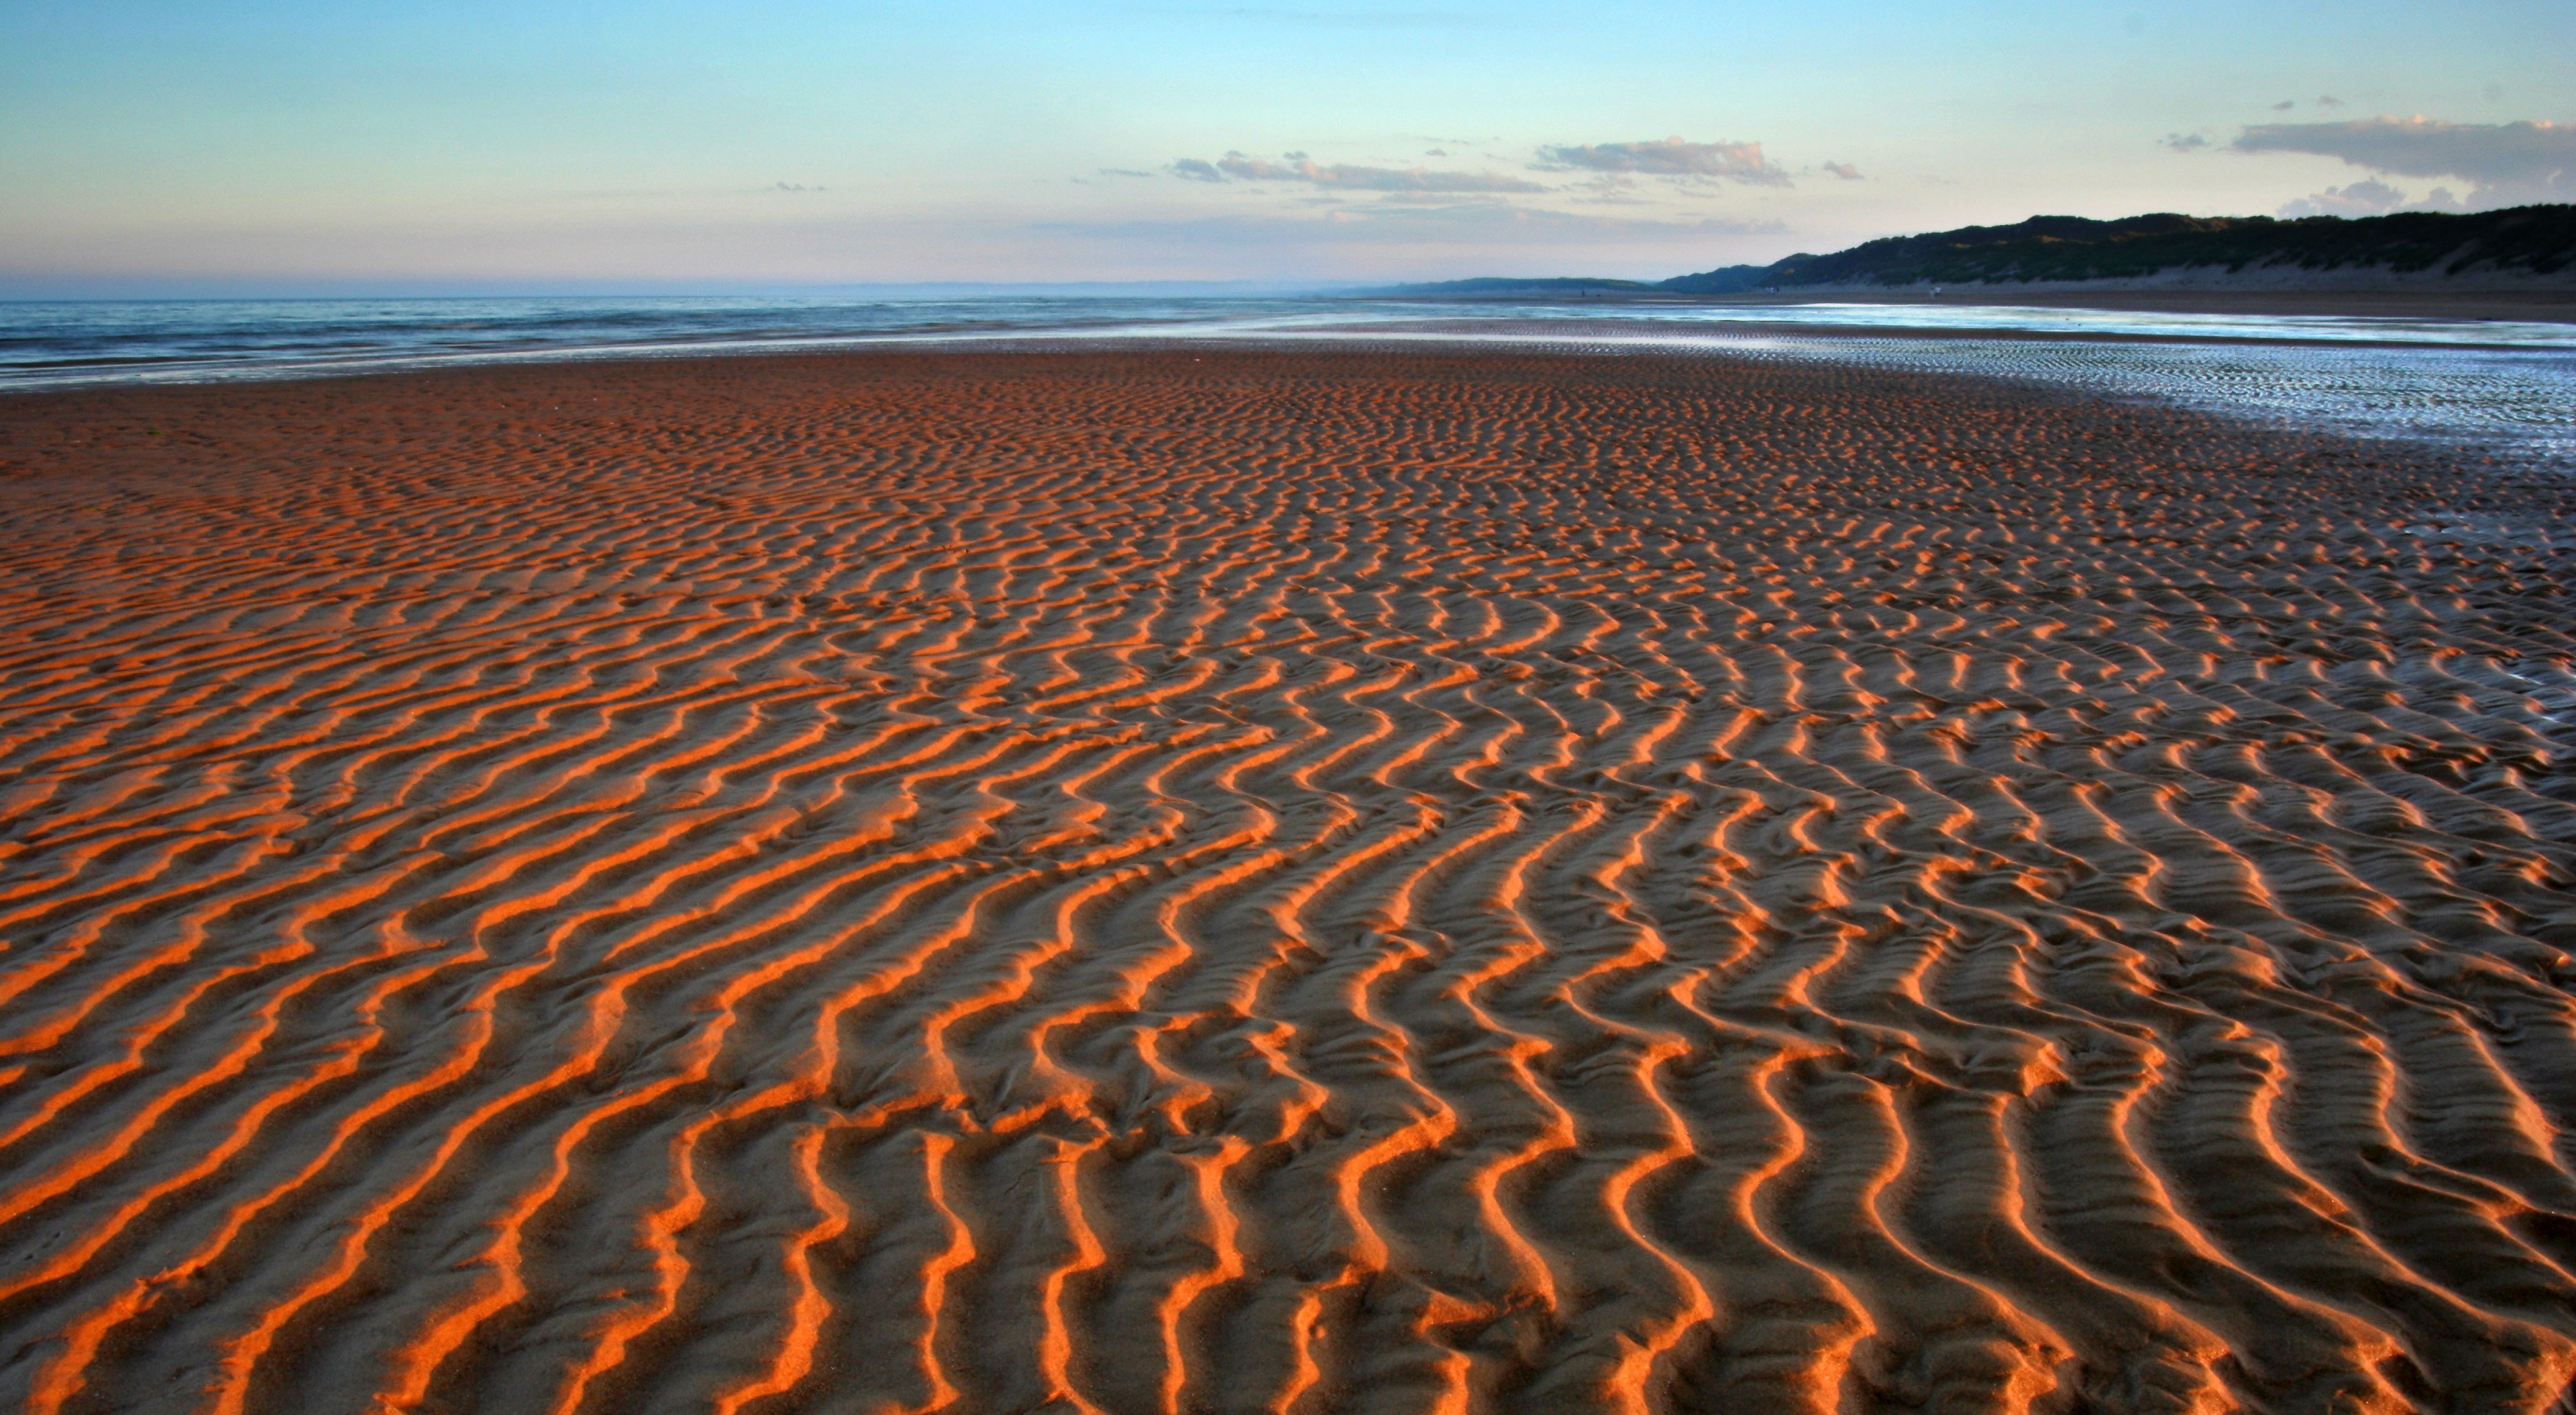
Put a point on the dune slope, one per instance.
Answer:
(1274, 882)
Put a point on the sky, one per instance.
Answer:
(153, 147)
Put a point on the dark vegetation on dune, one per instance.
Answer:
(2526, 240)
(2539, 240)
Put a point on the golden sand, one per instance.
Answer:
(1274, 882)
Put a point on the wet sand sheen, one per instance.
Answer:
(1274, 882)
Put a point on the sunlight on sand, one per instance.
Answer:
(1268, 881)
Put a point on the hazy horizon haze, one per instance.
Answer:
(278, 148)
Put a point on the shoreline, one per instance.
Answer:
(2460, 395)
(2493, 449)
(1550, 343)
(2554, 304)
(2545, 305)
(1169, 333)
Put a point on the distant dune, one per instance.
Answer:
(2530, 247)
(1146, 883)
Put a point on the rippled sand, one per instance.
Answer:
(1274, 881)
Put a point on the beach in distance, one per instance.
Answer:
(1377, 876)
(2556, 305)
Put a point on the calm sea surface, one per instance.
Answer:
(2502, 389)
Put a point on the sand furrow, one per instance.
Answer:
(1255, 882)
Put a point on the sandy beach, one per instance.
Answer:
(1240, 881)
(2536, 302)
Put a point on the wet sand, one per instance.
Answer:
(1266, 881)
(2541, 302)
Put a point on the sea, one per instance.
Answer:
(2498, 390)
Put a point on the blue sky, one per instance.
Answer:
(284, 145)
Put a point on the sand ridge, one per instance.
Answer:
(1274, 882)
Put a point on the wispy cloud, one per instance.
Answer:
(1367, 19)
(1610, 189)
(1464, 223)
(2183, 142)
(2507, 164)
(1297, 167)
(1844, 170)
(1671, 157)
(1335, 19)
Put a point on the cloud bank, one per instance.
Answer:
(1672, 157)
(2506, 164)
(2369, 198)
(1470, 222)
(1343, 177)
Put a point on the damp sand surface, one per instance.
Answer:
(1275, 881)
(2536, 301)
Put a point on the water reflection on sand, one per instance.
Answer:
(2501, 388)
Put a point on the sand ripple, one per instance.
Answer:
(1274, 882)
